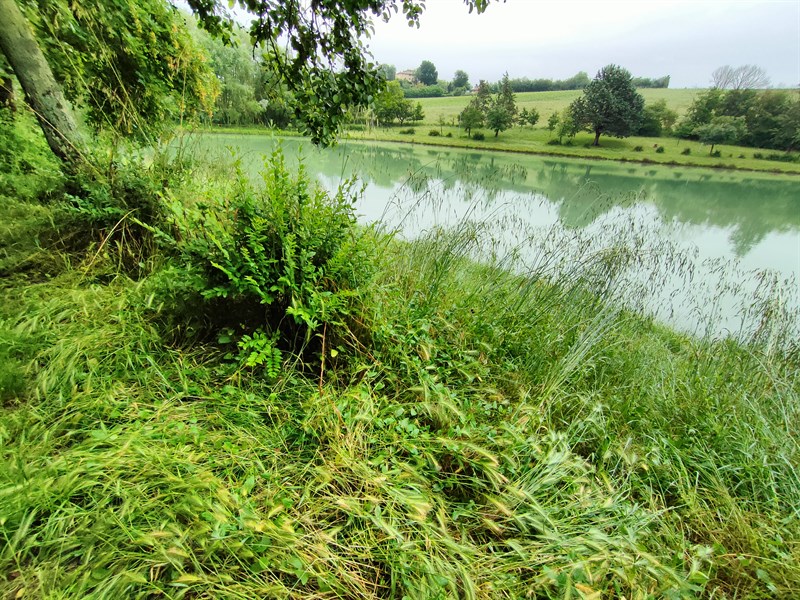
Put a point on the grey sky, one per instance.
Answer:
(543, 38)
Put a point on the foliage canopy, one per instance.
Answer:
(610, 104)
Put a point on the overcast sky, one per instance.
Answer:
(555, 39)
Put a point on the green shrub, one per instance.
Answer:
(478, 136)
(434, 133)
(409, 131)
(758, 155)
(716, 154)
(449, 134)
(686, 151)
(286, 257)
(782, 157)
(638, 149)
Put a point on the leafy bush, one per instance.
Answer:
(758, 155)
(716, 154)
(638, 149)
(29, 169)
(409, 131)
(286, 257)
(783, 157)
(424, 91)
(434, 133)
(686, 151)
(660, 150)
(449, 134)
(478, 136)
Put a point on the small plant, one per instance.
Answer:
(259, 350)
(758, 155)
(478, 136)
(286, 257)
(434, 133)
(638, 149)
(409, 131)
(660, 150)
(686, 151)
(554, 142)
(716, 154)
(449, 134)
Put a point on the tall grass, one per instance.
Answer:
(484, 423)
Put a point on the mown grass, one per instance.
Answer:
(548, 103)
(474, 428)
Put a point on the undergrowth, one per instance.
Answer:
(429, 426)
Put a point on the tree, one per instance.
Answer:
(566, 125)
(389, 72)
(471, 118)
(506, 98)
(460, 79)
(427, 73)
(391, 104)
(499, 118)
(610, 104)
(552, 122)
(44, 94)
(657, 119)
(745, 77)
(528, 117)
(483, 97)
(721, 130)
(418, 114)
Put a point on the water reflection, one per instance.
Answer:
(714, 216)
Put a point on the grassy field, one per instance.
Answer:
(249, 396)
(548, 102)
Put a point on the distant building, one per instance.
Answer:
(409, 75)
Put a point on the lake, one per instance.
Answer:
(710, 250)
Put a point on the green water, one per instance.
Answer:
(728, 234)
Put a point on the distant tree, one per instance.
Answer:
(552, 122)
(471, 118)
(499, 117)
(391, 105)
(787, 137)
(427, 73)
(505, 97)
(657, 119)
(460, 79)
(389, 72)
(721, 130)
(745, 77)
(566, 125)
(528, 117)
(418, 114)
(483, 97)
(610, 104)
(700, 112)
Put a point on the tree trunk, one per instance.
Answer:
(41, 89)
(597, 133)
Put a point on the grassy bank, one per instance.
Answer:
(268, 401)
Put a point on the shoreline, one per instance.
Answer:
(468, 145)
